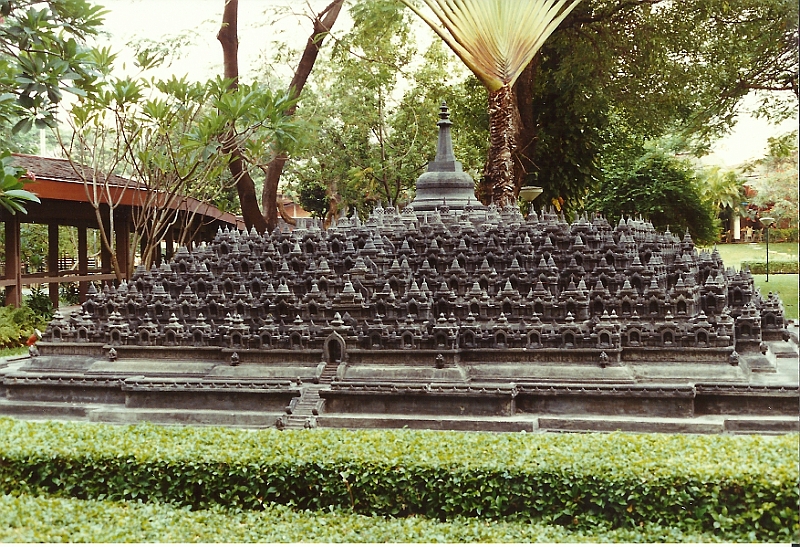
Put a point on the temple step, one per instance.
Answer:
(306, 409)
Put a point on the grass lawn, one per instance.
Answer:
(13, 352)
(734, 254)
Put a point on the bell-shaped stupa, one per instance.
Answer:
(445, 182)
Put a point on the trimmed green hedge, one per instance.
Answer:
(29, 519)
(742, 486)
(774, 267)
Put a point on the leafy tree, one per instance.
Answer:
(170, 139)
(777, 184)
(352, 147)
(272, 165)
(617, 74)
(42, 55)
(369, 142)
(322, 24)
(659, 187)
(724, 189)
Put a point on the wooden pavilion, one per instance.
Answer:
(64, 202)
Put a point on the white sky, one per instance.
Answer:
(153, 19)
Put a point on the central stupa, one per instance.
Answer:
(445, 182)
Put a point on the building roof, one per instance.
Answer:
(59, 179)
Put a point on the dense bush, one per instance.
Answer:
(17, 324)
(29, 519)
(69, 294)
(660, 187)
(741, 486)
(783, 234)
(39, 301)
(774, 267)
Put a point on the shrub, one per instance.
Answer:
(68, 293)
(774, 267)
(783, 234)
(17, 324)
(29, 519)
(39, 302)
(662, 188)
(740, 486)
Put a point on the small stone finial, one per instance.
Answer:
(444, 113)
(112, 355)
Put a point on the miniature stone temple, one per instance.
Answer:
(454, 310)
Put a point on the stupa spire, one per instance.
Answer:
(445, 157)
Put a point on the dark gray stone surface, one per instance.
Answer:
(445, 182)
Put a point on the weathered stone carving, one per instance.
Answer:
(435, 283)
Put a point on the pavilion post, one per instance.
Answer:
(52, 262)
(105, 254)
(13, 262)
(122, 234)
(168, 237)
(83, 261)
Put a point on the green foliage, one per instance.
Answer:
(616, 74)
(12, 196)
(28, 519)
(14, 352)
(739, 487)
(17, 324)
(173, 137)
(774, 267)
(613, 76)
(353, 150)
(659, 187)
(44, 55)
(374, 102)
(39, 302)
(724, 189)
(69, 293)
(784, 234)
(776, 182)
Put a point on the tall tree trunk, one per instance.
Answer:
(498, 175)
(323, 22)
(229, 39)
(527, 132)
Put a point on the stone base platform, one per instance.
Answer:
(640, 396)
(119, 414)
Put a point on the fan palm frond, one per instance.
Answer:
(496, 39)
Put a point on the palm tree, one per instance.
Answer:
(496, 39)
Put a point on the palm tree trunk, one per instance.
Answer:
(527, 130)
(498, 179)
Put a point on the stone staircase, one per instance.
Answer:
(303, 412)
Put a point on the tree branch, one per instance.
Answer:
(323, 22)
